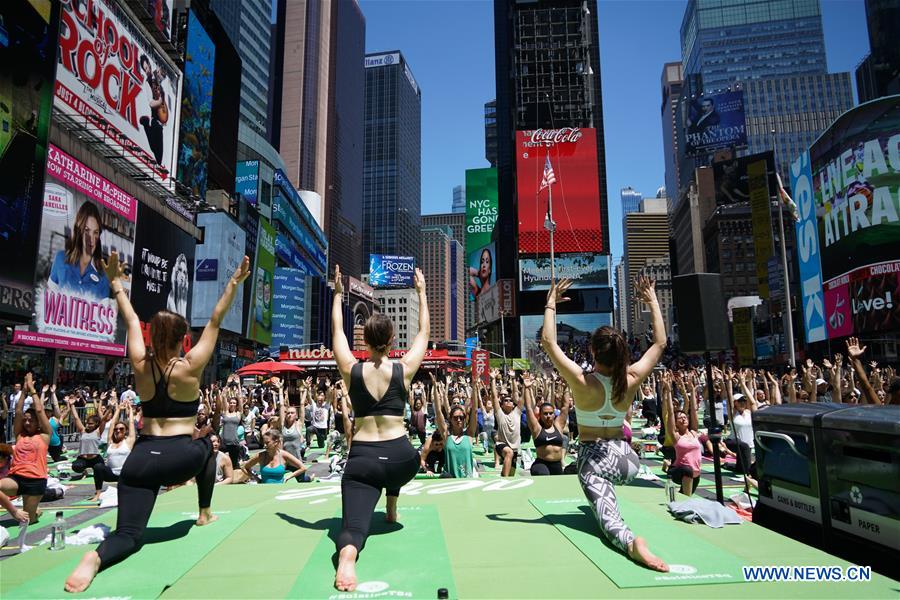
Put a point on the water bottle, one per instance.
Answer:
(443, 593)
(58, 533)
(670, 491)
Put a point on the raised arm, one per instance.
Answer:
(413, 358)
(115, 419)
(562, 419)
(495, 399)
(472, 429)
(76, 420)
(645, 291)
(854, 354)
(837, 378)
(568, 368)
(774, 389)
(343, 356)
(115, 272)
(202, 351)
(439, 421)
(528, 394)
(132, 434)
(514, 390)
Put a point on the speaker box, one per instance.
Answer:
(700, 312)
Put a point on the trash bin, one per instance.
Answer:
(789, 469)
(862, 484)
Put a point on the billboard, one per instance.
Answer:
(196, 107)
(481, 367)
(114, 78)
(260, 313)
(27, 71)
(854, 175)
(289, 307)
(572, 154)
(585, 271)
(573, 333)
(246, 182)
(223, 242)
(761, 221)
(163, 269)
(391, 271)
(807, 237)
(732, 182)
(742, 328)
(481, 216)
(715, 121)
(86, 216)
(499, 300)
(161, 13)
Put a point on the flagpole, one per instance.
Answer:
(552, 227)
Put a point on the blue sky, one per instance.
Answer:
(449, 45)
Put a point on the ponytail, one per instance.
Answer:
(609, 348)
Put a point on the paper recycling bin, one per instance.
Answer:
(789, 469)
(862, 487)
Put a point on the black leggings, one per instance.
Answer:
(234, 453)
(546, 467)
(103, 473)
(80, 464)
(155, 461)
(56, 452)
(745, 464)
(371, 467)
(420, 434)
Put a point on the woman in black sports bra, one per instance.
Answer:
(169, 450)
(381, 456)
(546, 431)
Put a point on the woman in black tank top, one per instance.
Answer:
(169, 451)
(381, 456)
(547, 432)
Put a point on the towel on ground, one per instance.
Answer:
(701, 510)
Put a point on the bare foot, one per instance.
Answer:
(36, 517)
(639, 553)
(345, 578)
(206, 517)
(391, 511)
(84, 573)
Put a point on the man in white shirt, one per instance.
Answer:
(128, 395)
(11, 403)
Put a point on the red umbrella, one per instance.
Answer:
(268, 367)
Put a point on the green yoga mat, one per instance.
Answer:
(407, 562)
(693, 560)
(172, 546)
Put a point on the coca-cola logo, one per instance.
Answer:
(555, 136)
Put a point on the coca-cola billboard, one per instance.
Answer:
(112, 79)
(572, 154)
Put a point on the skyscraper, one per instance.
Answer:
(879, 73)
(442, 263)
(750, 39)
(645, 229)
(670, 82)
(392, 158)
(631, 200)
(547, 65)
(490, 132)
(248, 24)
(459, 199)
(456, 221)
(321, 137)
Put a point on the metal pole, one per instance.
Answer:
(715, 432)
(551, 226)
(788, 322)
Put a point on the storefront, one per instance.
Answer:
(15, 361)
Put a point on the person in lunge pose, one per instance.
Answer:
(459, 460)
(601, 400)
(547, 431)
(169, 451)
(121, 441)
(381, 456)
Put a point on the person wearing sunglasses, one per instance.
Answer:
(121, 440)
(547, 431)
(507, 418)
(459, 460)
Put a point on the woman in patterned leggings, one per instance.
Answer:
(602, 399)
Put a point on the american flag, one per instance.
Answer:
(549, 176)
(788, 202)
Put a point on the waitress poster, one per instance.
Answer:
(85, 218)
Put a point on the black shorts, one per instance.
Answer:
(678, 473)
(501, 445)
(30, 486)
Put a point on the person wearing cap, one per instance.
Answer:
(741, 408)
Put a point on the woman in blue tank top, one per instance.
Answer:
(273, 461)
(602, 399)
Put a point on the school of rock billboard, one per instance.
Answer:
(85, 218)
(27, 71)
(572, 153)
(848, 194)
(111, 76)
